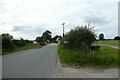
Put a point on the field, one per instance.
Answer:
(105, 57)
(29, 46)
(109, 42)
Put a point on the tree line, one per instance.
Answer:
(101, 37)
(46, 38)
(9, 43)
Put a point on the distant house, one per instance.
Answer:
(58, 40)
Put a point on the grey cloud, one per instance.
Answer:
(29, 29)
(16, 28)
(99, 20)
(20, 28)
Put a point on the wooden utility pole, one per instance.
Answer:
(63, 28)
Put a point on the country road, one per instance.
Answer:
(36, 63)
(44, 63)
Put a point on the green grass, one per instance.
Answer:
(106, 57)
(29, 46)
(109, 42)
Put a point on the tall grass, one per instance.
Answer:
(105, 57)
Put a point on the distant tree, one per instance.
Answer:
(55, 38)
(29, 42)
(117, 38)
(101, 36)
(39, 39)
(46, 36)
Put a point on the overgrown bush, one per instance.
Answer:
(79, 38)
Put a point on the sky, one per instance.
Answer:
(30, 18)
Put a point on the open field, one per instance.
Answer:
(29, 46)
(109, 42)
(105, 57)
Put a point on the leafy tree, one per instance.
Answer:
(39, 39)
(117, 38)
(11, 37)
(46, 36)
(55, 38)
(80, 38)
(101, 36)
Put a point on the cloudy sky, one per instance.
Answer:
(30, 18)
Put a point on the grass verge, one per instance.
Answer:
(29, 46)
(106, 57)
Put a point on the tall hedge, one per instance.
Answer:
(7, 43)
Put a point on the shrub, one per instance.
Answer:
(19, 43)
(7, 43)
(80, 38)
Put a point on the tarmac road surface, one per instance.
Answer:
(35, 63)
(44, 63)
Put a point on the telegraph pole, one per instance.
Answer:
(63, 28)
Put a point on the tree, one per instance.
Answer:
(117, 38)
(101, 36)
(80, 38)
(7, 42)
(55, 38)
(46, 36)
(39, 39)
(11, 37)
